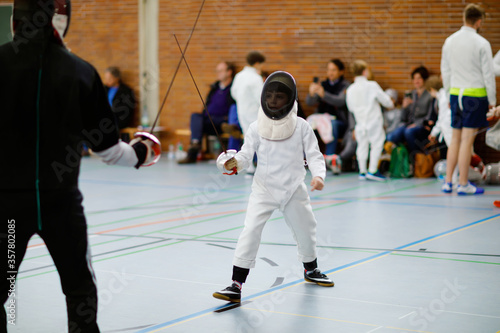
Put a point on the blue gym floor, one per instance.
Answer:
(404, 257)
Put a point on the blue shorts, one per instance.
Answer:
(472, 116)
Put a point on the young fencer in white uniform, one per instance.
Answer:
(280, 140)
(363, 99)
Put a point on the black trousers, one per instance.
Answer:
(64, 231)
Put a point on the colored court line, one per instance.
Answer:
(448, 259)
(155, 202)
(148, 249)
(181, 207)
(333, 319)
(138, 225)
(278, 218)
(169, 220)
(353, 264)
(156, 222)
(433, 205)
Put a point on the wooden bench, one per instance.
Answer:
(132, 130)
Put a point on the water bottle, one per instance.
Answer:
(171, 152)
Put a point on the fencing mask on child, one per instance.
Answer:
(277, 115)
(278, 95)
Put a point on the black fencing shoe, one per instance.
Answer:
(317, 277)
(231, 294)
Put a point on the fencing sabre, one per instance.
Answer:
(183, 57)
(177, 69)
(156, 148)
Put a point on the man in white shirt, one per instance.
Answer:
(246, 91)
(247, 88)
(468, 76)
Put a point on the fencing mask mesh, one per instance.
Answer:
(278, 95)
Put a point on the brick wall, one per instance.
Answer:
(298, 36)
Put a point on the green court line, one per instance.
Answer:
(169, 244)
(225, 238)
(171, 228)
(218, 217)
(161, 212)
(176, 234)
(274, 219)
(340, 191)
(449, 259)
(401, 189)
(142, 250)
(152, 202)
(153, 232)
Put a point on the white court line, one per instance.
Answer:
(373, 330)
(389, 304)
(406, 315)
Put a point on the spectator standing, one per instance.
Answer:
(468, 76)
(246, 91)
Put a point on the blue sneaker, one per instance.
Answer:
(362, 176)
(447, 187)
(469, 189)
(377, 176)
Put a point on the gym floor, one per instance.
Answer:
(404, 257)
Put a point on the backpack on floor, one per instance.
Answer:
(425, 161)
(400, 164)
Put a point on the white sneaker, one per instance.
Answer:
(362, 176)
(447, 187)
(469, 189)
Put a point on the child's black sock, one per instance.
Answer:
(310, 266)
(240, 275)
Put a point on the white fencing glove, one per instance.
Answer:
(226, 162)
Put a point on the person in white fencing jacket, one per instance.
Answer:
(281, 140)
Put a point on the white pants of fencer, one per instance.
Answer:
(298, 215)
(370, 141)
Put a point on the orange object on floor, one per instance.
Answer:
(497, 203)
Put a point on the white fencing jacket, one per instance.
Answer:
(246, 91)
(467, 62)
(281, 162)
(442, 128)
(363, 99)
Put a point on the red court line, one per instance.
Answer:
(170, 220)
(182, 218)
(158, 222)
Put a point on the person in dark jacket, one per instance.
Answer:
(417, 114)
(329, 96)
(218, 103)
(54, 102)
(120, 96)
